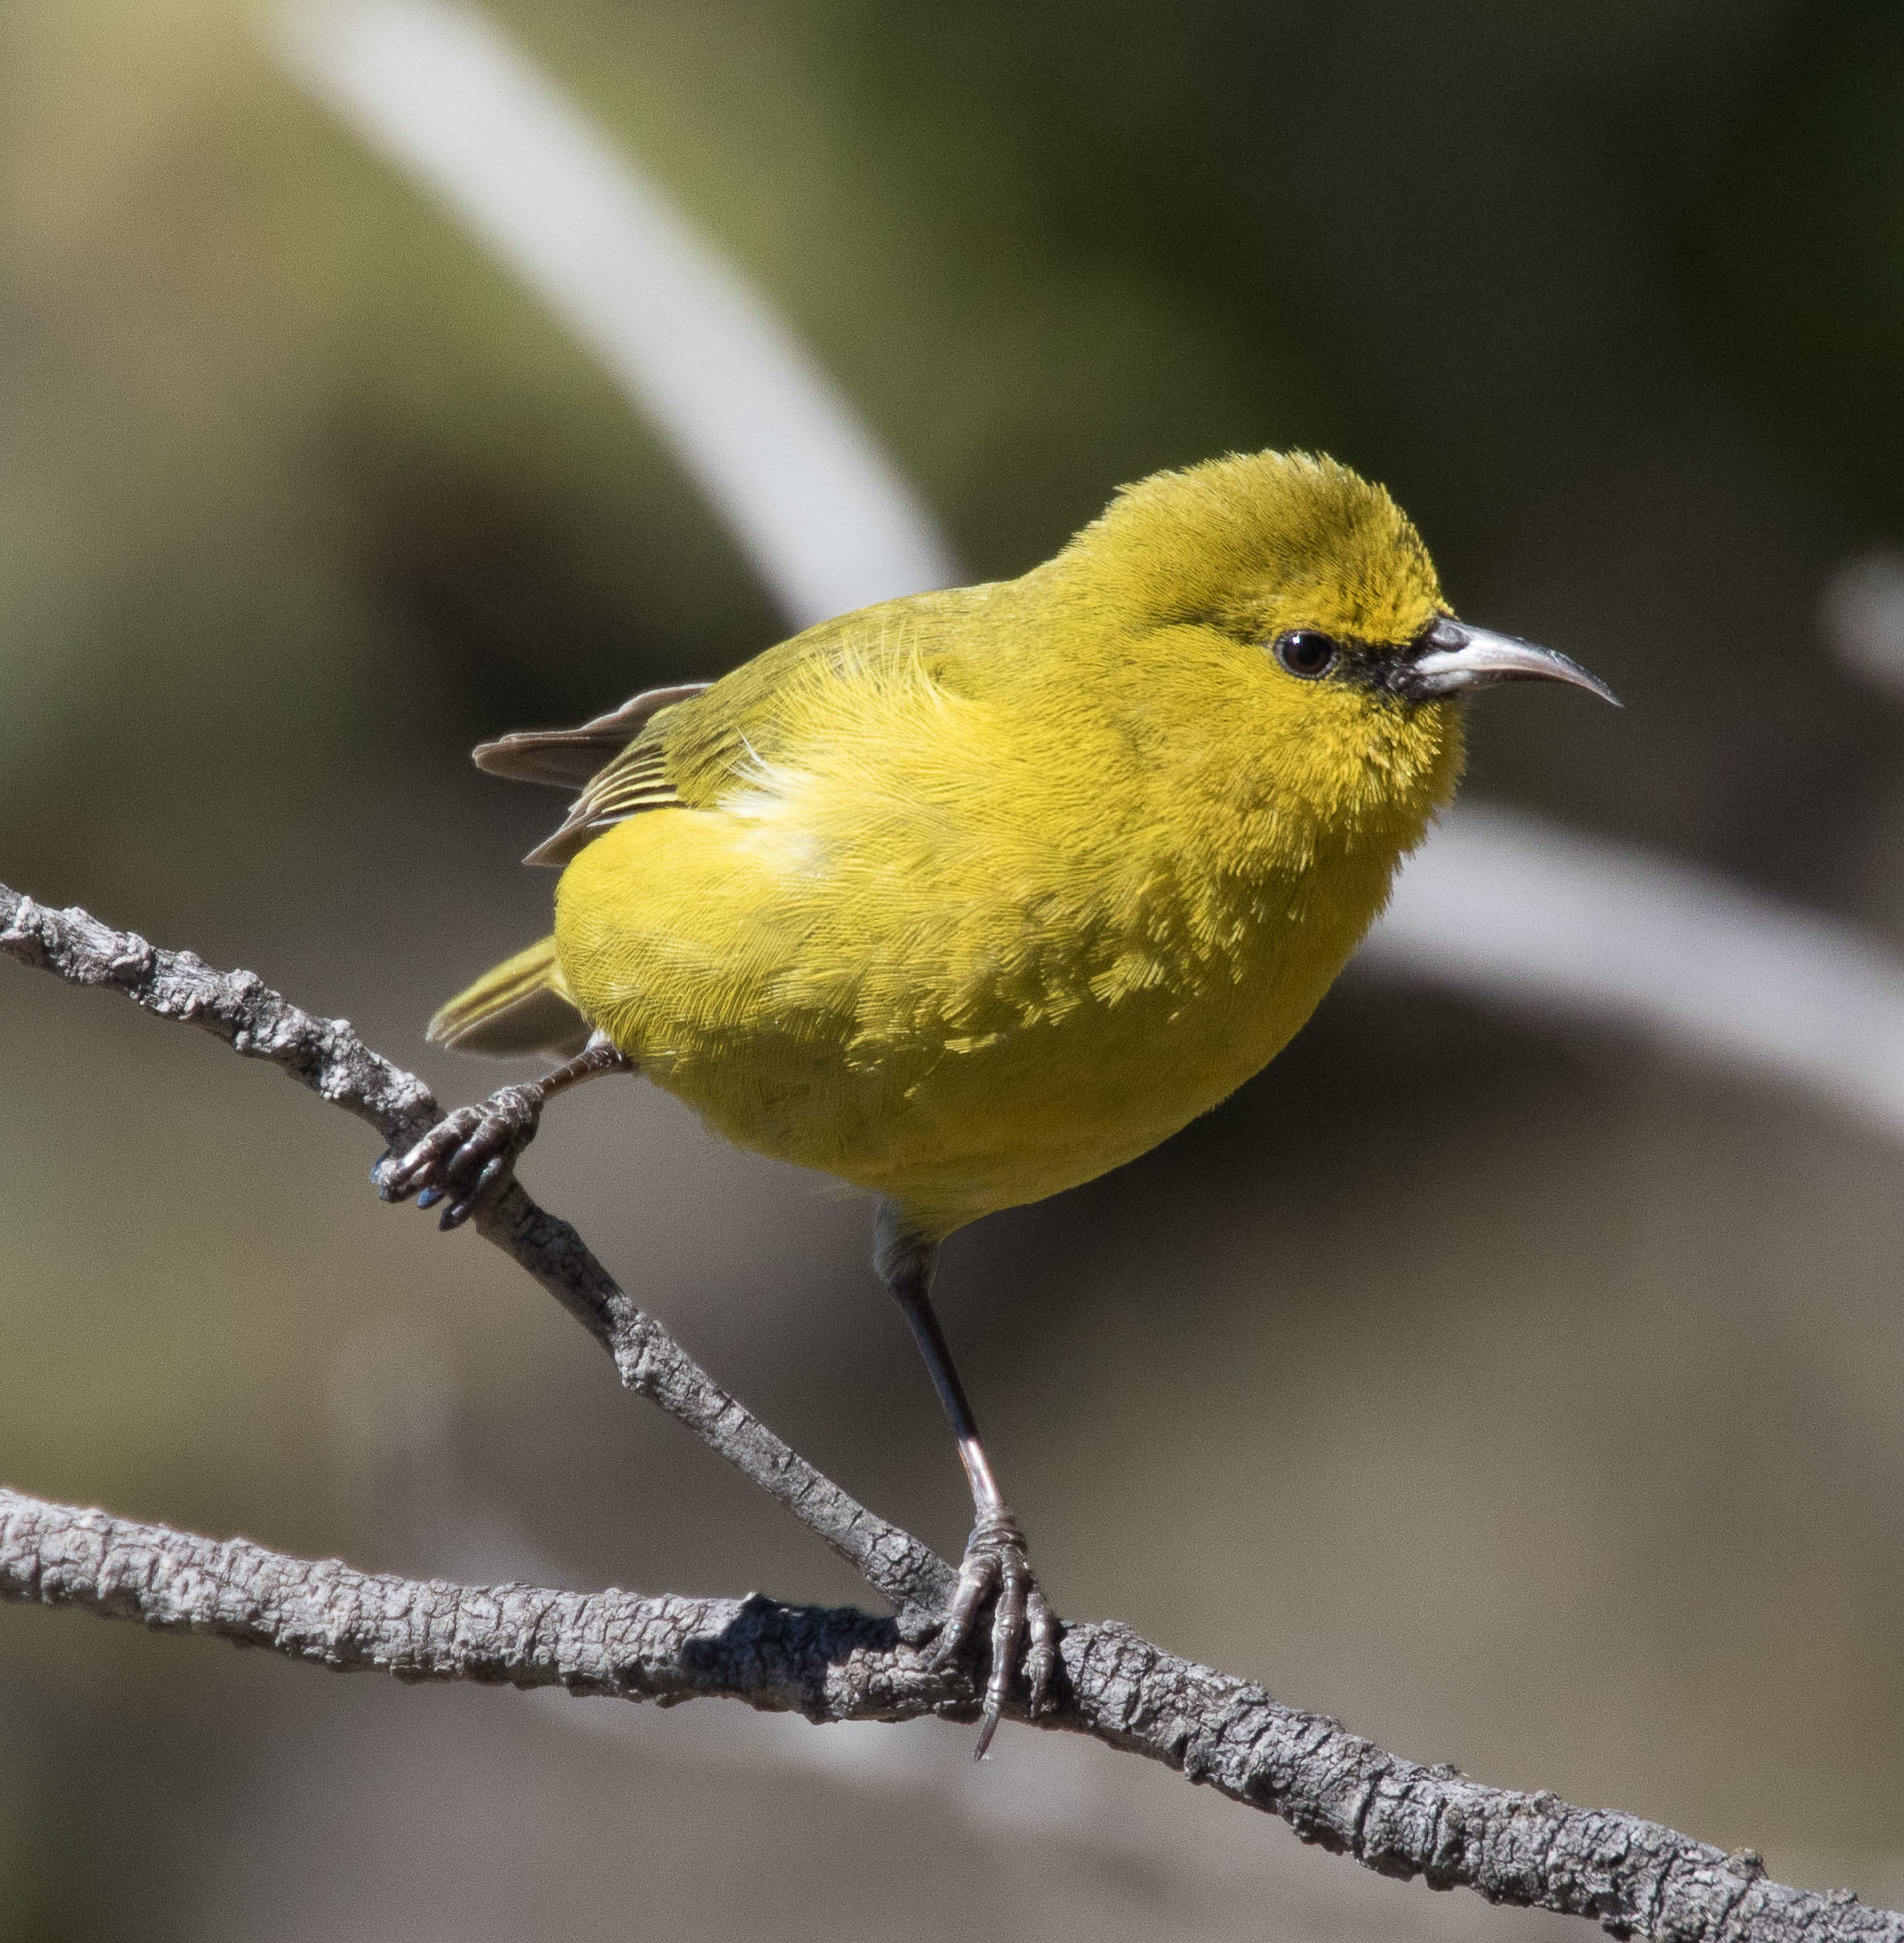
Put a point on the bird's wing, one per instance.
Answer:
(635, 780)
(687, 745)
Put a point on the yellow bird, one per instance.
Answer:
(969, 897)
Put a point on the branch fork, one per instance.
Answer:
(1333, 1787)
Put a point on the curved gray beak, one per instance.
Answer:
(1458, 659)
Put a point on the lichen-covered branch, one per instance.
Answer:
(1332, 1787)
(831, 1664)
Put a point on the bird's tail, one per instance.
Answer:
(522, 1006)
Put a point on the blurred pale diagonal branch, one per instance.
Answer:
(1333, 1787)
(827, 519)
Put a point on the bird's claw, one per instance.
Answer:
(996, 1563)
(469, 1151)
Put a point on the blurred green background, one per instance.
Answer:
(1518, 1395)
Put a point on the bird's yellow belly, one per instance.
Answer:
(935, 1049)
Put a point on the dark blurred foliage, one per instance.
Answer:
(1791, 221)
(1507, 1389)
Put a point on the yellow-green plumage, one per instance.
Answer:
(969, 897)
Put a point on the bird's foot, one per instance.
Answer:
(996, 1563)
(468, 1152)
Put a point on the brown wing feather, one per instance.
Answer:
(566, 759)
(636, 780)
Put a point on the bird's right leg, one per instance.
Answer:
(996, 1560)
(472, 1150)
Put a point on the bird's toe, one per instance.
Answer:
(464, 1156)
(997, 1567)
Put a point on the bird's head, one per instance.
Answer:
(1312, 566)
(1293, 599)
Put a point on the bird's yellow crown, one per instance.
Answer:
(1259, 543)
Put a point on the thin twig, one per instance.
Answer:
(1332, 1787)
(328, 1057)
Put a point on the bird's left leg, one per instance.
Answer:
(996, 1560)
(469, 1151)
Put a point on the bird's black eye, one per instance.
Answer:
(1306, 651)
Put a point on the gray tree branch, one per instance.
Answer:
(1333, 1787)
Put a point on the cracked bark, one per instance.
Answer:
(1332, 1787)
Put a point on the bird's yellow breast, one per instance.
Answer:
(972, 930)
